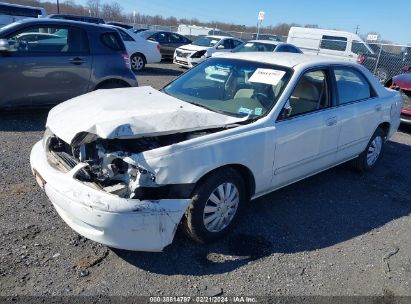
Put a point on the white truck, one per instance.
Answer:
(331, 43)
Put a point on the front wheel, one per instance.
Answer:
(372, 153)
(137, 62)
(217, 202)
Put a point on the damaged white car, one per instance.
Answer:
(125, 167)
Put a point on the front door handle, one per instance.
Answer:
(77, 60)
(378, 107)
(332, 121)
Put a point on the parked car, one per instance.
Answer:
(231, 129)
(270, 37)
(168, 41)
(88, 19)
(120, 24)
(140, 50)
(136, 31)
(402, 83)
(47, 61)
(335, 44)
(202, 48)
(386, 64)
(264, 46)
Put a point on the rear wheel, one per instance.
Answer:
(382, 75)
(217, 203)
(372, 153)
(138, 62)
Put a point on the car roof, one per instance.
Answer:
(266, 41)
(289, 60)
(219, 36)
(51, 21)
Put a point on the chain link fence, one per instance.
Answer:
(382, 59)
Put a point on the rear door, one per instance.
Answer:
(359, 110)
(307, 138)
(47, 64)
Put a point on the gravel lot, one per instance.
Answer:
(337, 233)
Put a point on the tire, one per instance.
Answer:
(138, 62)
(372, 153)
(382, 75)
(205, 226)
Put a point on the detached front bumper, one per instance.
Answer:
(106, 218)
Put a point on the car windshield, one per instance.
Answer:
(232, 87)
(255, 47)
(206, 41)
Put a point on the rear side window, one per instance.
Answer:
(57, 40)
(351, 86)
(112, 41)
(334, 43)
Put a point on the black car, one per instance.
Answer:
(88, 19)
(384, 64)
(119, 24)
(168, 41)
(47, 61)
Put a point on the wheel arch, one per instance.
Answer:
(110, 81)
(245, 173)
(385, 127)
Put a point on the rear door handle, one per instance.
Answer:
(77, 60)
(378, 107)
(332, 121)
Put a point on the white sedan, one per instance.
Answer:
(140, 50)
(126, 167)
(203, 47)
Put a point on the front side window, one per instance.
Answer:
(206, 41)
(232, 87)
(359, 48)
(334, 43)
(351, 86)
(46, 39)
(310, 94)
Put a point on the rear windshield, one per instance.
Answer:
(113, 41)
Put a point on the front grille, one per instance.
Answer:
(182, 62)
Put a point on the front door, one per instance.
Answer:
(45, 65)
(307, 136)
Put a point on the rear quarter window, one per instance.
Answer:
(113, 41)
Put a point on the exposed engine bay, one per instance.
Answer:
(106, 164)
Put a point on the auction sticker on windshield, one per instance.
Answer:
(267, 76)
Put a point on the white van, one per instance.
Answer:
(339, 44)
(10, 13)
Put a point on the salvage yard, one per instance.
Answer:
(337, 233)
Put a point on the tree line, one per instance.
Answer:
(113, 11)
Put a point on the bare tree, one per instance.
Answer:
(94, 7)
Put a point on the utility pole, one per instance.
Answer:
(357, 29)
(58, 7)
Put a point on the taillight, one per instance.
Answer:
(158, 47)
(126, 59)
(360, 59)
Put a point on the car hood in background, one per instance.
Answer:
(192, 47)
(130, 113)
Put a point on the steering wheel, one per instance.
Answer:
(263, 99)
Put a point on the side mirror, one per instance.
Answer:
(220, 47)
(286, 111)
(4, 45)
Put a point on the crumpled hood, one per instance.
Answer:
(130, 113)
(192, 47)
